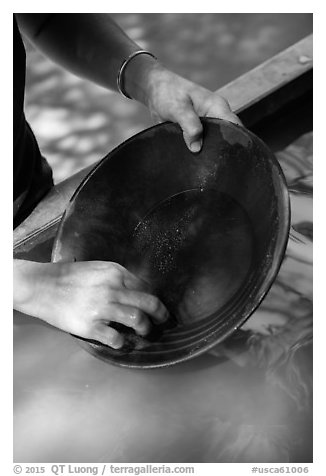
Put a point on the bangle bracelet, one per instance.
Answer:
(120, 79)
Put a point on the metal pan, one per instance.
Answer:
(208, 231)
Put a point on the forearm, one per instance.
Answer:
(91, 46)
(94, 47)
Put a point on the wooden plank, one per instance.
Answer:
(253, 96)
(49, 211)
(279, 79)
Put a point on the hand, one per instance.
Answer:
(179, 100)
(171, 97)
(83, 298)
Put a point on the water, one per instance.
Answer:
(248, 400)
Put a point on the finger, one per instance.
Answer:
(119, 276)
(108, 336)
(230, 116)
(133, 282)
(145, 302)
(129, 316)
(191, 127)
(221, 109)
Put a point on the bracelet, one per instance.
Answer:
(125, 62)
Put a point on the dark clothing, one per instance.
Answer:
(32, 173)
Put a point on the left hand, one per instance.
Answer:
(171, 97)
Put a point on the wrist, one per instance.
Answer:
(31, 280)
(138, 77)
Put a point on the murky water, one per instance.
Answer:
(248, 400)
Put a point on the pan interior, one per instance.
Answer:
(206, 231)
(195, 249)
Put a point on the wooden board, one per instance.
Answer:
(268, 87)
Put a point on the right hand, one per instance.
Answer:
(83, 298)
(170, 97)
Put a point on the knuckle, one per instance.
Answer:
(115, 273)
(222, 101)
(194, 130)
(191, 124)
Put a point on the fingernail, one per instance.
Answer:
(196, 146)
